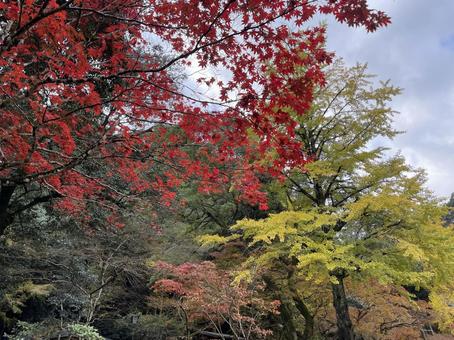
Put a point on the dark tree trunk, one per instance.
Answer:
(307, 315)
(308, 318)
(6, 192)
(344, 323)
(289, 300)
(289, 331)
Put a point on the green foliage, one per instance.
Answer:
(16, 299)
(84, 332)
(24, 329)
(45, 329)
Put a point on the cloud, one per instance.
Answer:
(416, 52)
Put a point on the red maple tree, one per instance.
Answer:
(207, 295)
(91, 112)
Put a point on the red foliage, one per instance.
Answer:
(81, 87)
(206, 293)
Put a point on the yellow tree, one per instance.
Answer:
(353, 212)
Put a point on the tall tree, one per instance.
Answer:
(352, 212)
(80, 87)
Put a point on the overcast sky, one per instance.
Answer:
(417, 53)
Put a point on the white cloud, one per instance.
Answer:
(416, 52)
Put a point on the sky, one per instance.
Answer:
(416, 52)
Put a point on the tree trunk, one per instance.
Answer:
(286, 309)
(307, 315)
(6, 192)
(289, 331)
(344, 323)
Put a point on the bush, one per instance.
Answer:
(84, 332)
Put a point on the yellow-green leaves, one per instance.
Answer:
(16, 300)
(442, 302)
(411, 250)
(214, 240)
(320, 168)
(279, 227)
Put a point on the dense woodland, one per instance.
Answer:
(248, 201)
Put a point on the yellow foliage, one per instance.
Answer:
(443, 305)
(32, 289)
(352, 210)
(16, 300)
(411, 250)
(243, 276)
(214, 240)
